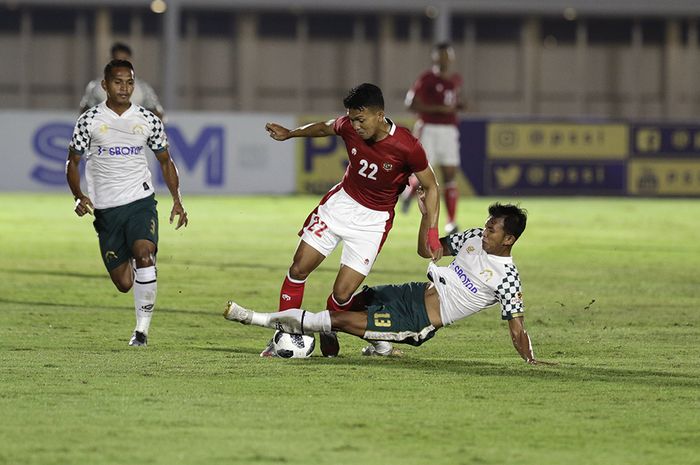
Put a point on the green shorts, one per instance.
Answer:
(119, 227)
(397, 313)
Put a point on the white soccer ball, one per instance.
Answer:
(288, 345)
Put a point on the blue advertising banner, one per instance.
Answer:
(665, 141)
(567, 177)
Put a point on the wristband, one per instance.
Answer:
(434, 240)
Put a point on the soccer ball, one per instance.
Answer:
(288, 345)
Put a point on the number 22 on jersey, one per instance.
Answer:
(368, 170)
(316, 226)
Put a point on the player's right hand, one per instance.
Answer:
(276, 131)
(84, 205)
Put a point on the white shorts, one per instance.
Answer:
(440, 141)
(339, 217)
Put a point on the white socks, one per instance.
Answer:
(295, 321)
(145, 289)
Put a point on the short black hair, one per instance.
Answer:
(364, 96)
(116, 64)
(120, 47)
(514, 217)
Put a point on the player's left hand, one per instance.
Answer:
(436, 254)
(179, 211)
(432, 241)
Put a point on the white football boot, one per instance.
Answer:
(234, 312)
(382, 349)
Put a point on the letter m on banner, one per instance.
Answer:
(208, 147)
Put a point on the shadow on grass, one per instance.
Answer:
(280, 270)
(59, 273)
(211, 312)
(330, 267)
(468, 367)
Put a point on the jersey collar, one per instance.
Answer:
(126, 113)
(392, 129)
(499, 259)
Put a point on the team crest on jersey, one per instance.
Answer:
(387, 166)
(439, 87)
(139, 129)
(470, 249)
(518, 299)
(487, 274)
(103, 128)
(353, 151)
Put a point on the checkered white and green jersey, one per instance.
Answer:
(114, 147)
(475, 280)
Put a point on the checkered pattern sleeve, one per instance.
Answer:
(509, 294)
(80, 142)
(158, 140)
(456, 241)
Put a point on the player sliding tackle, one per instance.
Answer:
(358, 211)
(481, 274)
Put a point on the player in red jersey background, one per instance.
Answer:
(435, 96)
(358, 211)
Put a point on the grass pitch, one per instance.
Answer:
(611, 292)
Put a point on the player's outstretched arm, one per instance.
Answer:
(521, 340)
(172, 180)
(83, 204)
(431, 201)
(318, 129)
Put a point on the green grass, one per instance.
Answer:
(611, 291)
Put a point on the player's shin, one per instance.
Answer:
(292, 293)
(295, 321)
(145, 290)
(451, 197)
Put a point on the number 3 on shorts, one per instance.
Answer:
(317, 226)
(382, 320)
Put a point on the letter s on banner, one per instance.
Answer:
(51, 144)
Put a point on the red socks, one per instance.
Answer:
(451, 196)
(291, 294)
(334, 306)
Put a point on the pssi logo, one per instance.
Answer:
(50, 143)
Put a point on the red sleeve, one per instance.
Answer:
(341, 125)
(419, 88)
(417, 159)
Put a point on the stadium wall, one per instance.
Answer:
(231, 153)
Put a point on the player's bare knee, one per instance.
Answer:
(342, 295)
(123, 285)
(144, 259)
(298, 273)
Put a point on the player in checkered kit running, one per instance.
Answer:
(112, 137)
(481, 274)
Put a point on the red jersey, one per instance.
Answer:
(378, 171)
(432, 89)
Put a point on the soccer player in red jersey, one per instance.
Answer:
(435, 96)
(359, 211)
